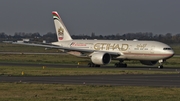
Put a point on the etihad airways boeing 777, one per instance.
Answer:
(101, 52)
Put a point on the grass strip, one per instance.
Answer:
(56, 71)
(59, 92)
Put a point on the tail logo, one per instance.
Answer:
(60, 33)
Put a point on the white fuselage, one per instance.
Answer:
(137, 50)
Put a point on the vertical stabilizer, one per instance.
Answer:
(61, 31)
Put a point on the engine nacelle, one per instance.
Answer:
(148, 62)
(100, 58)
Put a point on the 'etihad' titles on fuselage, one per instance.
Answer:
(110, 46)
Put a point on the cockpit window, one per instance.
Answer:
(167, 49)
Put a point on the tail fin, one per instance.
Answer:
(61, 31)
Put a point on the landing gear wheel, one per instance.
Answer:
(89, 65)
(97, 66)
(125, 65)
(116, 65)
(160, 66)
(120, 65)
(93, 65)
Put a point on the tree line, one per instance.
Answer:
(51, 37)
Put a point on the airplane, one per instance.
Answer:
(101, 52)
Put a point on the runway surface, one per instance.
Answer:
(122, 80)
(166, 80)
(142, 67)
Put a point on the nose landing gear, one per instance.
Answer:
(160, 66)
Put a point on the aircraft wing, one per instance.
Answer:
(49, 45)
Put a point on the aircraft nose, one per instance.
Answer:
(171, 53)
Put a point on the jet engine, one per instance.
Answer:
(148, 62)
(100, 58)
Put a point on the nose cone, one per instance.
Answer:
(170, 54)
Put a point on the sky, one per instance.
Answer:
(103, 17)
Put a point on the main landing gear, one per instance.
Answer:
(93, 65)
(120, 64)
(160, 66)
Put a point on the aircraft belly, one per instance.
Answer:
(142, 57)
